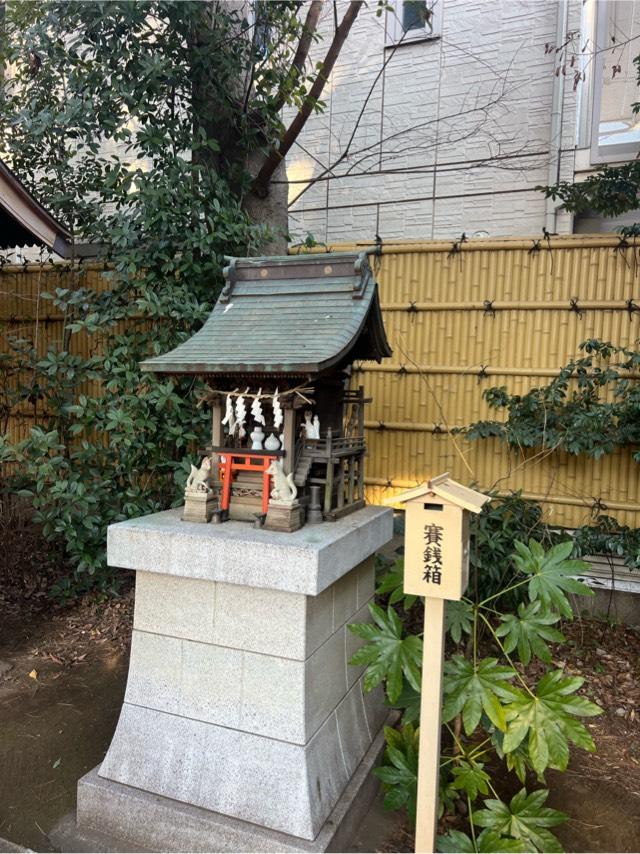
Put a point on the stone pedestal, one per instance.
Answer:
(240, 702)
(284, 517)
(199, 506)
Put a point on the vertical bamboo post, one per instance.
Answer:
(360, 411)
(430, 722)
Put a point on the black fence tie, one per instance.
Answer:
(402, 370)
(437, 429)
(489, 310)
(598, 507)
(535, 248)
(574, 307)
(456, 245)
(482, 373)
(381, 426)
(632, 307)
(411, 308)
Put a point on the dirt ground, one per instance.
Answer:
(62, 678)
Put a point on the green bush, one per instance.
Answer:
(494, 716)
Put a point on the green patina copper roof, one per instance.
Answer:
(293, 314)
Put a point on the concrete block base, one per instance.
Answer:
(114, 817)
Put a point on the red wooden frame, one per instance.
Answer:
(244, 461)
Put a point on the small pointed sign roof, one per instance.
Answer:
(444, 487)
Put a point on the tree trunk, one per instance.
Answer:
(270, 210)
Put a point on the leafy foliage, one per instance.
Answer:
(471, 688)
(551, 574)
(130, 120)
(391, 584)
(590, 408)
(491, 711)
(471, 778)
(547, 718)
(611, 191)
(399, 774)
(503, 521)
(487, 842)
(528, 630)
(458, 619)
(607, 536)
(389, 653)
(523, 818)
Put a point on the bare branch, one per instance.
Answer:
(276, 155)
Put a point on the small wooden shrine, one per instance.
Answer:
(287, 441)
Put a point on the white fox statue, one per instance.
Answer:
(284, 489)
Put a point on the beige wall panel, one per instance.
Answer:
(533, 332)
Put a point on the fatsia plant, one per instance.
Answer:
(493, 711)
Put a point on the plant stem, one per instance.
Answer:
(507, 656)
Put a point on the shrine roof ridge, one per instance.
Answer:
(286, 314)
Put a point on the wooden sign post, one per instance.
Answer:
(436, 566)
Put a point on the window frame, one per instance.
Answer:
(615, 152)
(395, 35)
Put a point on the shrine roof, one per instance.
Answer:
(291, 314)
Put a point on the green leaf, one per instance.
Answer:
(548, 721)
(488, 842)
(528, 632)
(409, 700)
(525, 818)
(552, 575)
(472, 689)
(470, 777)
(389, 654)
(399, 773)
(458, 619)
(455, 842)
(392, 584)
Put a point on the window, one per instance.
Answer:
(413, 20)
(615, 128)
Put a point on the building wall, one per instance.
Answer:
(456, 132)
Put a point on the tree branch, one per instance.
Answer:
(276, 155)
(308, 31)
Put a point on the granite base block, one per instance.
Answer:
(114, 817)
